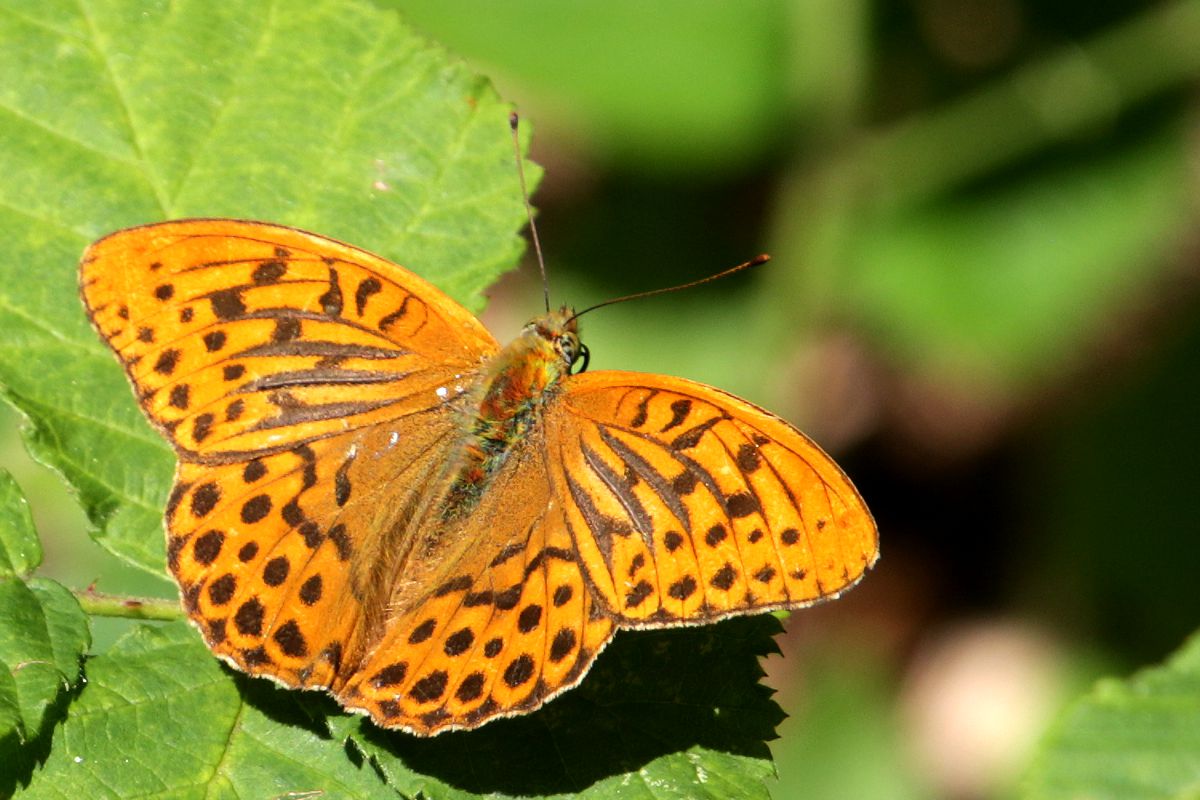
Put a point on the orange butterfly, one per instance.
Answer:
(374, 498)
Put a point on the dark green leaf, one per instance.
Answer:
(20, 550)
(43, 635)
(160, 717)
(663, 715)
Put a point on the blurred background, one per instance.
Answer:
(982, 300)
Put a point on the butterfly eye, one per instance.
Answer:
(583, 355)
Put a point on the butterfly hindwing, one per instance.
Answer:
(275, 556)
(507, 622)
(689, 504)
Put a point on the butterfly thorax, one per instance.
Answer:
(515, 386)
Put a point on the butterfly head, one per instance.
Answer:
(559, 330)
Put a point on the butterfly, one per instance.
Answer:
(373, 497)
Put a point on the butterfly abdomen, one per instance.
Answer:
(515, 386)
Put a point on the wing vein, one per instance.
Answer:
(646, 471)
(616, 484)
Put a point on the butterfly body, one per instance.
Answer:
(514, 386)
(375, 499)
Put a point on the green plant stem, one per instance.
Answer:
(112, 605)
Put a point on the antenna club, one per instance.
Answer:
(514, 119)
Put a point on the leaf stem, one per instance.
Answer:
(100, 604)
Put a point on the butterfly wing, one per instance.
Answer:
(508, 622)
(296, 377)
(687, 504)
(270, 335)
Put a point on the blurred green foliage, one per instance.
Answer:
(982, 297)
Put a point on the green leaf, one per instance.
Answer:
(20, 549)
(43, 635)
(663, 714)
(1128, 739)
(328, 115)
(159, 716)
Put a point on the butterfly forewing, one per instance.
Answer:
(689, 504)
(241, 337)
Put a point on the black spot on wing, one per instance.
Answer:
(691, 437)
(269, 272)
(341, 482)
(391, 319)
(748, 458)
(639, 417)
(429, 688)
(742, 504)
(214, 340)
(180, 396)
(286, 329)
(167, 360)
(362, 294)
(331, 300)
(290, 640)
(510, 551)
(679, 411)
(638, 593)
(458, 584)
(227, 303)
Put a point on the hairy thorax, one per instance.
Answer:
(505, 406)
(423, 543)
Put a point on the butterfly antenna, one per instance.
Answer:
(513, 122)
(754, 262)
